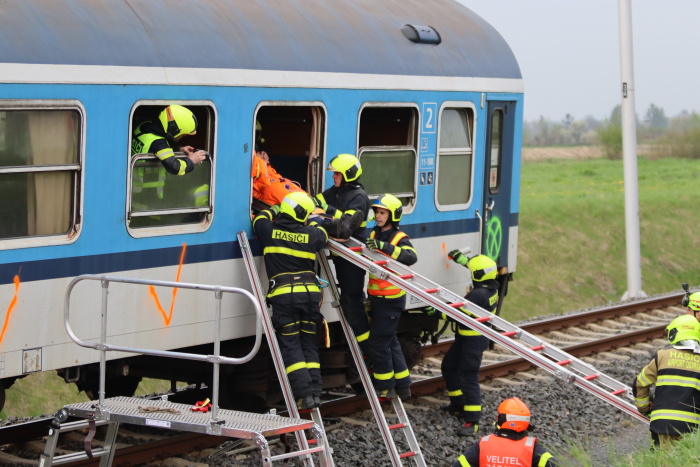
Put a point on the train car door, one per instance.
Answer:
(498, 170)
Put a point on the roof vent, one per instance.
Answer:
(421, 34)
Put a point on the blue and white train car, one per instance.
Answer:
(426, 93)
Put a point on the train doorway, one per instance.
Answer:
(498, 170)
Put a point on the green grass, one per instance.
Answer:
(571, 242)
(685, 452)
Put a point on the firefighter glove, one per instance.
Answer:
(274, 209)
(458, 257)
(430, 311)
(319, 202)
(374, 244)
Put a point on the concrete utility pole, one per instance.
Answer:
(629, 155)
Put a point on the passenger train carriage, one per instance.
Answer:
(426, 93)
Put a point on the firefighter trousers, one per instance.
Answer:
(388, 363)
(296, 317)
(460, 368)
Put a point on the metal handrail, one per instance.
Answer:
(216, 359)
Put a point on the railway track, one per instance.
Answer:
(596, 334)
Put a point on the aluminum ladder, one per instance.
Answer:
(414, 453)
(315, 413)
(500, 331)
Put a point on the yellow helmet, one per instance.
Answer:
(346, 164)
(483, 268)
(692, 301)
(297, 205)
(178, 120)
(392, 204)
(684, 327)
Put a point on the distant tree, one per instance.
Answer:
(568, 121)
(655, 118)
(616, 115)
(610, 137)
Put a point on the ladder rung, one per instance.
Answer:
(381, 262)
(407, 454)
(406, 276)
(398, 425)
(430, 290)
(617, 392)
(537, 347)
(564, 362)
(590, 377)
(457, 304)
(483, 319)
(355, 248)
(509, 333)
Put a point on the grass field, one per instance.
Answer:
(571, 248)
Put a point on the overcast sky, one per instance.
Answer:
(569, 54)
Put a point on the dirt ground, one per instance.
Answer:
(573, 152)
(577, 152)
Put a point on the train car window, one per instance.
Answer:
(455, 158)
(40, 175)
(175, 197)
(495, 159)
(388, 151)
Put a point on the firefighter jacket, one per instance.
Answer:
(506, 448)
(344, 201)
(676, 405)
(289, 249)
(150, 138)
(398, 246)
(485, 295)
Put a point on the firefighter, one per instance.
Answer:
(510, 445)
(692, 301)
(675, 372)
(460, 366)
(162, 137)
(289, 249)
(346, 197)
(390, 373)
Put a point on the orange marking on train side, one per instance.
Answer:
(444, 250)
(11, 307)
(167, 317)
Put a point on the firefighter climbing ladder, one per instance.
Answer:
(277, 357)
(536, 351)
(404, 424)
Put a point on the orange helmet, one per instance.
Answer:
(514, 415)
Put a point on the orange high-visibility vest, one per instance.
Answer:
(496, 451)
(382, 288)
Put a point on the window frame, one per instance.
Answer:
(469, 107)
(78, 178)
(414, 133)
(182, 228)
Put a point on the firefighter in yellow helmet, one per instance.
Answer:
(390, 375)
(510, 445)
(162, 138)
(692, 301)
(460, 366)
(341, 201)
(676, 374)
(289, 251)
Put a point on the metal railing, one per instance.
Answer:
(216, 359)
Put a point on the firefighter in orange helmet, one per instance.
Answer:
(510, 445)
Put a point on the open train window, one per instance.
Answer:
(291, 137)
(170, 194)
(40, 173)
(455, 157)
(388, 151)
